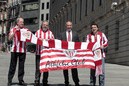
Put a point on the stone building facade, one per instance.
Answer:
(3, 24)
(112, 17)
(44, 11)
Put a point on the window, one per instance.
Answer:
(47, 16)
(117, 35)
(47, 5)
(71, 14)
(106, 31)
(30, 21)
(86, 7)
(53, 1)
(11, 12)
(100, 2)
(80, 8)
(92, 5)
(67, 15)
(42, 17)
(0, 29)
(75, 12)
(30, 7)
(42, 5)
(28, 1)
(14, 12)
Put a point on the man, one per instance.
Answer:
(43, 33)
(70, 35)
(18, 52)
(97, 36)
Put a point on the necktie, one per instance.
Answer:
(69, 36)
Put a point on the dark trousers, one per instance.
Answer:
(74, 76)
(13, 63)
(101, 76)
(37, 71)
(92, 77)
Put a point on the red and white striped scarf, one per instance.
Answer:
(30, 37)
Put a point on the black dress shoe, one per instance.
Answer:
(77, 84)
(21, 82)
(92, 84)
(9, 84)
(37, 84)
(66, 84)
(45, 84)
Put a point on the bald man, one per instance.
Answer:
(70, 35)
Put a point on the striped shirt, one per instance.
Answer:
(100, 37)
(17, 46)
(43, 35)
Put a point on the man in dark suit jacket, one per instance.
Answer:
(70, 35)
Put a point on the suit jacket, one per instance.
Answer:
(75, 37)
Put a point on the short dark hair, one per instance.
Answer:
(94, 24)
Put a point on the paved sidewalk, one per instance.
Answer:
(116, 75)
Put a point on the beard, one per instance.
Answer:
(44, 29)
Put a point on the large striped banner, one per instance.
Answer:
(58, 59)
(64, 54)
